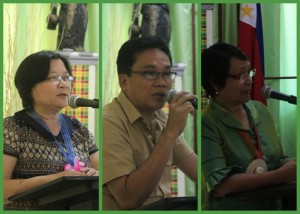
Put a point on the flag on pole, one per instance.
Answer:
(250, 41)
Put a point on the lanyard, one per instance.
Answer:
(69, 156)
(256, 149)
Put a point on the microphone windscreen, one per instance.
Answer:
(266, 92)
(72, 101)
(170, 95)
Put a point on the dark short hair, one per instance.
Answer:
(130, 49)
(215, 65)
(32, 70)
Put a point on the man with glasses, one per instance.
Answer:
(141, 142)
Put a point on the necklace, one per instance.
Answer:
(258, 165)
(256, 149)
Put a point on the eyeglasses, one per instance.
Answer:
(56, 80)
(243, 76)
(153, 75)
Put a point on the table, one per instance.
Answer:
(286, 193)
(173, 203)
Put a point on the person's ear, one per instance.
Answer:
(215, 87)
(123, 81)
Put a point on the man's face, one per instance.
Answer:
(148, 95)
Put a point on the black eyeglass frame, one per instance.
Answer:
(154, 75)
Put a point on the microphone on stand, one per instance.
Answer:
(170, 94)
(267, 92)
(75, 102)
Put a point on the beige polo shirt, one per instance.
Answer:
(128, 142)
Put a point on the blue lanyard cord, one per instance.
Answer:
(70, 156)
(67, 140)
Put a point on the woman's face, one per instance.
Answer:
(52, 94)
(236, 91)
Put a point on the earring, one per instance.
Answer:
(216, 93)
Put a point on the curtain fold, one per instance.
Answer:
(182, 52)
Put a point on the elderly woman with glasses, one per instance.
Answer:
(40, 143)
(239, 144)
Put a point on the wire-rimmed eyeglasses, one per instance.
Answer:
(57, 79)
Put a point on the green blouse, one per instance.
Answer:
(225, 152)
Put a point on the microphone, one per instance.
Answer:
(267, 92)
(75, 102)
(170, 95)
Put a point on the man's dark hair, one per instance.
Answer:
(32, 70)
(215, 65)
(129, 51)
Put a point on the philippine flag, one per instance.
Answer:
(250, 41)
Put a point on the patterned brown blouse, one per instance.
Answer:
(36, 151)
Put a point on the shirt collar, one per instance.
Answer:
(132, 113)
(129, 109)
(226, 117)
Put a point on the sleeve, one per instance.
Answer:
(213, 164)
(181, 150)
(92, 146)
(10, 137)
(86, 136)
(269, 137)
(117, 152)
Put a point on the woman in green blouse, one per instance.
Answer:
(239, 143)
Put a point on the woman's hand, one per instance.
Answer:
(89, 171)
(288, 171)
(70, 172)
